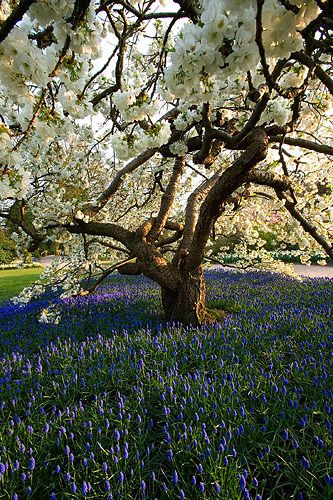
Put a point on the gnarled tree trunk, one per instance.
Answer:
(188, 303)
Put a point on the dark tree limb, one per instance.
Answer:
(204, 153)
(167, 200)
(317, 69)
(306, 225)
(190, 7)
(289, 6)
(107, 273)
(259, 29)
(15, 16)
(303, 143)
(127, 238)
(154, 265)
(229, 181)
(275, 181)
(117, 181)
(192, 212)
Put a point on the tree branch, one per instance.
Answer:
(117, 181)
(15, 16)
(192, 212)
(167, 200)
(229, 181)
(318, 70)
(275, 181)
(118, 233)
(306, 225)
(303, 143)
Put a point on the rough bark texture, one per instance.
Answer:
(188, 303)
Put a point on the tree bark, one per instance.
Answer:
(188, 303)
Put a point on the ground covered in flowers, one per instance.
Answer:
(111, 403)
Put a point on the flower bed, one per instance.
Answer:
(111, 403)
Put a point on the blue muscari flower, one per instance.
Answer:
(276, 466)
(302, 422)
(143, 485)
(68, 477)
(32, 463)
(225, 461)
(234, 453)
(15, 496)
(201, 487)
(181, 495)
(174, 477)
(107, 485)
(329, 479)
(255, 482)
(121, 477)
(84, 489)
(116, 434)
(153, 477)
(71, 458)
(16, 465)
(295, 443)
(167, 437)
(73, 487)
(170, 455)
(217, 488)
(53, 496)
(305, 463)
(105, 467)
(200, 468)
(242, 483)
(58, 469)
(193, 481)
(285, 434)
(28, 490)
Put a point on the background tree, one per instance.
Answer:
(139, 130)
(7, 247)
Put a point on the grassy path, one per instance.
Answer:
(12, 281)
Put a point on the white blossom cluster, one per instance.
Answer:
(223, 44)
(135, 108)
(128, 145)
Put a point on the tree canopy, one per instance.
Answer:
(138, 132)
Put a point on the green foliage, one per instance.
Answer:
(7, 247)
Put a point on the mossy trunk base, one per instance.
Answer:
(187, 304)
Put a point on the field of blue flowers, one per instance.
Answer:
(113, 403)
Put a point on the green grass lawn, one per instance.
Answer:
(12, 281)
